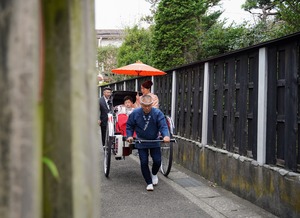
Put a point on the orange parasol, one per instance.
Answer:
(138, 69)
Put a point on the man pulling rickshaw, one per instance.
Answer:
(149, 124)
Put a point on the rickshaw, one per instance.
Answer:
(116, 144)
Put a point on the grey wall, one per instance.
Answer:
(272, 188)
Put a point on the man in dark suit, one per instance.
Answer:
(104, 109)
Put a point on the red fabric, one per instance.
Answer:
(121, 124)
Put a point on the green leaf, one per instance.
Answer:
(52, 167)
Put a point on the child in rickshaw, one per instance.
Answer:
(123, 111)
(127, 107)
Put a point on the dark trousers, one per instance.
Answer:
(155, 153)
(103, 134)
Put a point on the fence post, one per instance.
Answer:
(173, 100)
(136, 85)
(205, 104)
(99, 91)
(262, 105)
(153, 87)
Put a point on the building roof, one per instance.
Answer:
(110, 33)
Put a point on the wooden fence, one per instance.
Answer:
(245, 102)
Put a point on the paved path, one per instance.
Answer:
(182, 194)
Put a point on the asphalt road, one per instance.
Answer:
(181, 194)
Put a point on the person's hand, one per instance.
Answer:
(137, 97)
(166, 139)
(99, 122)
(130, 139)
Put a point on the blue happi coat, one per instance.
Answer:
(147, 126)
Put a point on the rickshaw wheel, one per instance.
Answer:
(107, 153)
(166, 158)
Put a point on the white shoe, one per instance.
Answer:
(149, 187)
(154, 179)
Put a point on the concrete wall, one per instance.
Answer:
(48, 108)
(269, 187)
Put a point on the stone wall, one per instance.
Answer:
(272, 188)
